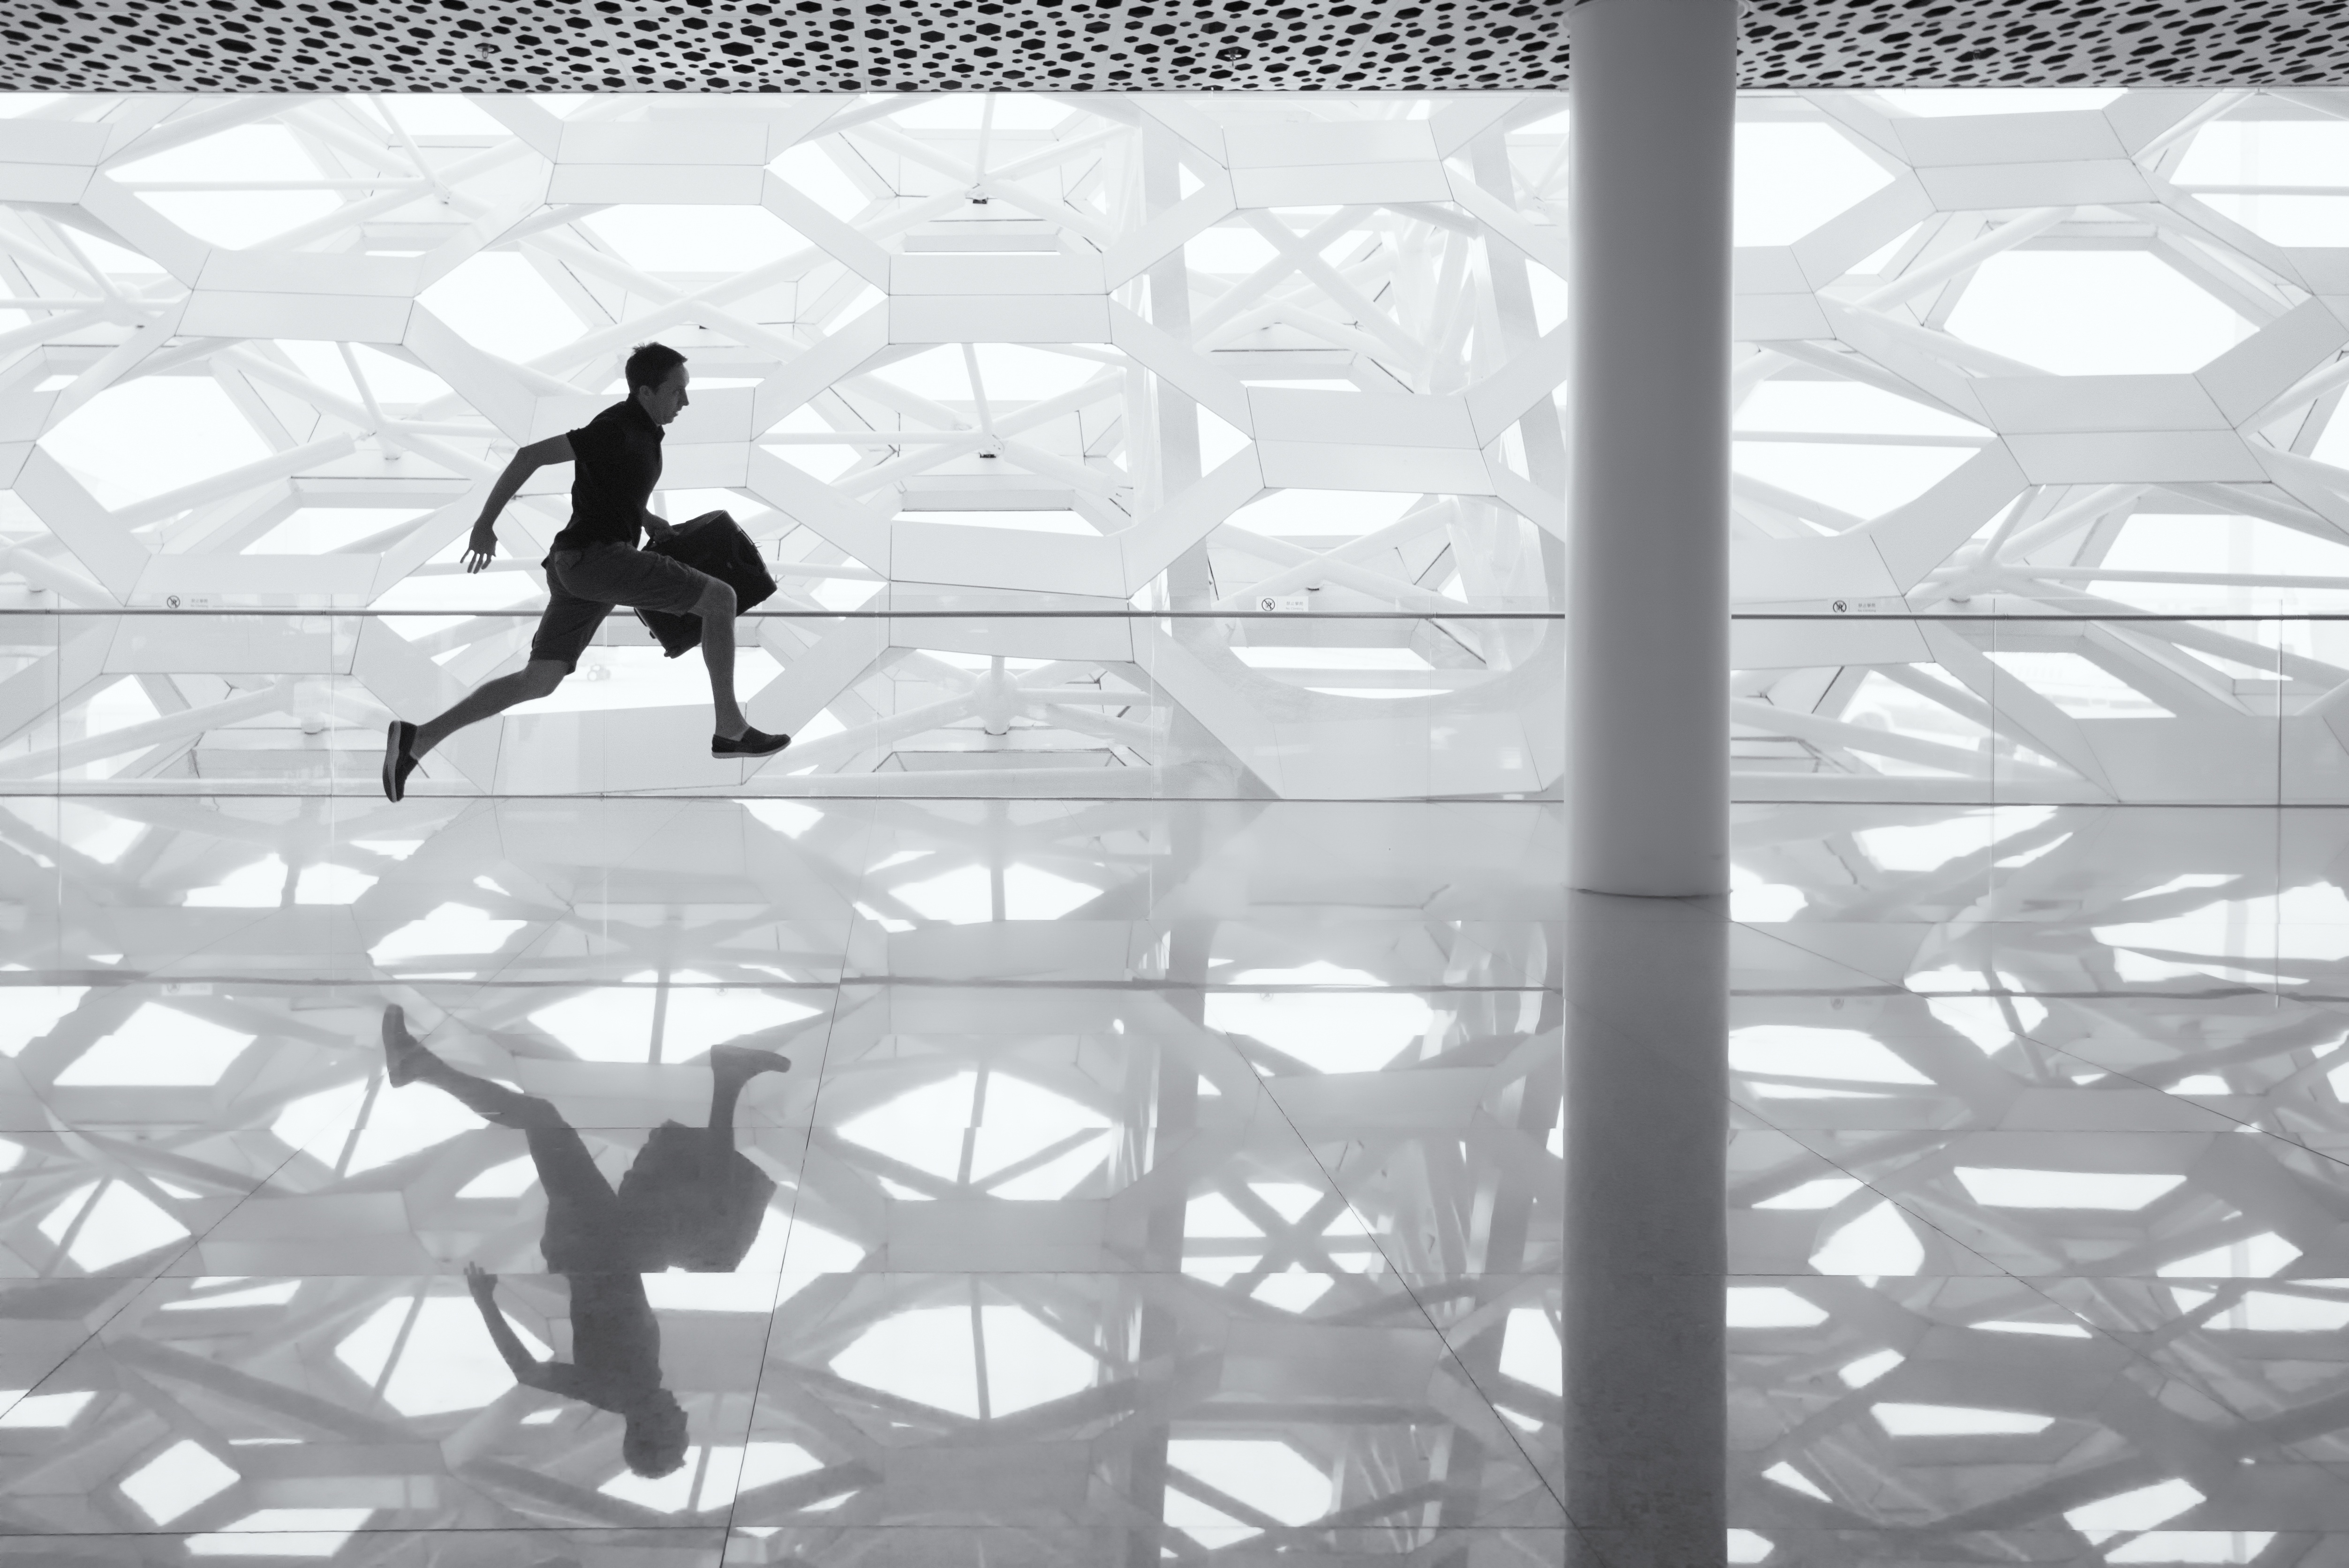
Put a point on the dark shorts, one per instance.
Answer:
(583, 584)
(669, 1209)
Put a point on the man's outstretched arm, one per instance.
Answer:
(552, 1376)
(483, 544)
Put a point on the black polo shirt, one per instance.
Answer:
(616, 462)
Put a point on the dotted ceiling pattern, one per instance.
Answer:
(824, 45)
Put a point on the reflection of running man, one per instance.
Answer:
(689, 1199)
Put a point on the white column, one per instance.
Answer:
(1653, 97)
(1653, 100)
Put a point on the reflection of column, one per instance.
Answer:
(1646, 1091)
(1653, 100)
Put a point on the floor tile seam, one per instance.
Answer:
(2240, 1124)
(2137, 1355)
(1907, 1212)
(537, 1530)
(1871, 987)
(1884, 1197)
(149, 1282)
(363, 982)
(692, 797)
(2026, 1035)
(799, 1187)
(498, 830)
(683, 796)
(903, 1274)
(1994, 802)
(1507, 1426)
(1947, 1132)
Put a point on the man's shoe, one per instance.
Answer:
(740, 1063)
(400, 1048)
(399, 759)
(750, 743)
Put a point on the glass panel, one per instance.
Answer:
(2007, 704)
(903, 700)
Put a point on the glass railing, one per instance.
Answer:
(2000, 700)
(906, 694)
(1979, 702)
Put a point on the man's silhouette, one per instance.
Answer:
(690, 1199)
(596, 563)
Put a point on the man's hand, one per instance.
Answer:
(483, 547)
(480, 1281)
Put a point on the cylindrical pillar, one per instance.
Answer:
(1653, 97)
(1653, 102)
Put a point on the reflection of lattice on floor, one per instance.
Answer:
(1035, 1183)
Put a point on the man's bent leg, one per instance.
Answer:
(407, 1061)
(731, 735)
(564, 631)
(489, 699)
(732, 1066)
(716, 609)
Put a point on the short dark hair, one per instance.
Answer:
(655, 1441)
(650, 365)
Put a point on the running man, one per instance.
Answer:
(688, 1199)
(595, 564)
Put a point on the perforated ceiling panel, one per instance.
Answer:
(825, 45)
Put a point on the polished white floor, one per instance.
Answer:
(2037, 1186)
(1209, 1201)
(1157, 1182)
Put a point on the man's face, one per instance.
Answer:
(665, 401)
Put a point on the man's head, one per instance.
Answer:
(655, 1442)
(656, 378)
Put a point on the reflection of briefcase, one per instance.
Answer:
(693, 1221)
(713, 542)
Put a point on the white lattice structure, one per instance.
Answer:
(1126, 338)
(1160, 353)
(2081, 362)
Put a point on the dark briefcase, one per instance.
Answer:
(713, 542)
(701, 1219)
